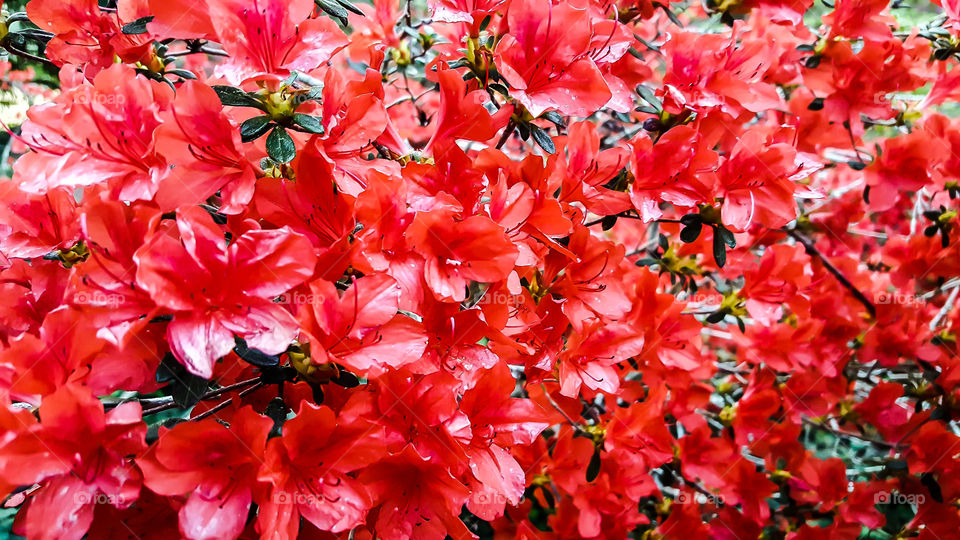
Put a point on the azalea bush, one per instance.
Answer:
(480, 268)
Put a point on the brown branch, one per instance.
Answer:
(812, 250)
(208, 395)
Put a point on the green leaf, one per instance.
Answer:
(312, 124)
(670, 14)
(593, 469)
(727, 236)
(138, 26)
(333, 9)
(254, 356)
(691, 232)
(277, 411)
(648, 96)
(280, 146)
(542, 139)
(690, 219)
(608, 222)
(254, 128)
(182, 73)
(857, 165)
(716, 317)
(188, 388)
(346, 379)
(317, 393)
(719, 250)
(346, 4)
(555, 118)
(499, 88)
(235, 97)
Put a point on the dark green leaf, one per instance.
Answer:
(182, 73)
(277, 374)
(719, 251)
(280, 145)
(499, 88)
(346, 379)
(317, 393)
(593, 469)
(138, 26)
(485, 22)
(524, 131)
(608, 222)
(555, 118)
(277, 411)
(346, 4)
(254, 128)
(690, 219)
(857, 165)
(727, 236)
(648, 96)
(670, 14)
(168, 369)
(333, 9)
(543, 139)
(932, 486)
(691, 232)
(716, 317)
(236, 97)
(312, 124)
(186, 391)
(254, 356)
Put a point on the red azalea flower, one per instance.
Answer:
(186, 266)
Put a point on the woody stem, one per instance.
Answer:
(812, 250)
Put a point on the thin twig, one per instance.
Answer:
(842, 433)
(563, 413)
(24, 54)
(208, 395)
(947, 306)
(225, 404)
(814, 252)
(204, 50)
